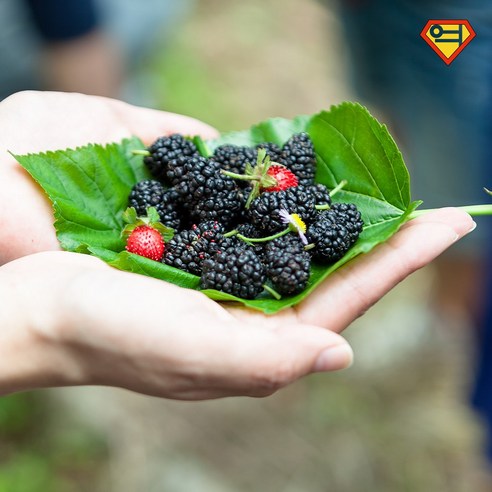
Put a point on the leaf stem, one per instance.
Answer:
(264, 239)
(473, 210)
(273, 292)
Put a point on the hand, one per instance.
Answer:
(40, 121)
(78, 321)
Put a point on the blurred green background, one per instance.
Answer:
(397, 420)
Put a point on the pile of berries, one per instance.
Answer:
(245, 219)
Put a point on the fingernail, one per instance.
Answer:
(334, 358)
(471, 229)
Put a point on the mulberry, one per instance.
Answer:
(236, 270)
(287, 264)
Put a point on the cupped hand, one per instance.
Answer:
(92, 324)
(71, 319)
(39, 121)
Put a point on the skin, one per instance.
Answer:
(70, 319)
(70, 65)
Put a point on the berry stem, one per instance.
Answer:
(273, 292)
(264, 239)
(254, 193)
(143, 152)
(201, 146)
(473, 210)
(338, 187)
(309, 246)
(244, 177)
(231, 233)
(265, 180)
(333, 192)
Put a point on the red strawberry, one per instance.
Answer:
(283, 176)
(146, 241)
(266, 176)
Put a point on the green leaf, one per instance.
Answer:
(350, 144)
(89, 189)
(138, 264)
(276, 130)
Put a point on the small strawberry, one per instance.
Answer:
(145, 236)
(266, 175)
(283, 176)
(146, 241)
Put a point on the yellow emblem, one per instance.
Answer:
(448, 38)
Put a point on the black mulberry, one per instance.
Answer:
(188, 249)
(234, 158)
(321, 194)
(287, 264)
(331, 239)
(234, 269)
(298, 155)
(145, 194)
(272, 150)
(349, 216)
(164, 150)
(264, 211)
(170, 209)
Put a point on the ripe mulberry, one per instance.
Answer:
(234, 158)
(287, 264)
(298, 155)
(188, 249)
(264, 211)
(145, 194)
(164, 150)
(236, 270)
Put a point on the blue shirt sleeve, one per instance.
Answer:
(62, 20)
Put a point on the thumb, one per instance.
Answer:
(264, 361)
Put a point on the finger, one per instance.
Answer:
(148, 124)
(351, 290)
(236, 360)
(56, 120)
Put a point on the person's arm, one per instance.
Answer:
(78, 55)
(91, 64)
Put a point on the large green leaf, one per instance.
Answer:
(89, 188)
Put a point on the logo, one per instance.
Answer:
(448, 38)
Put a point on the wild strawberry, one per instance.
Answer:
(146, 241)
(145, 236)
(265, 176)
(283, 177)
